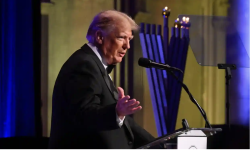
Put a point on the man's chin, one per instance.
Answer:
(116, 61)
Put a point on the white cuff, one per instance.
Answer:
(119, 121)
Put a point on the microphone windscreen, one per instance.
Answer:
(144, 62)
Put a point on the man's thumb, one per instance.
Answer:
(120, 92)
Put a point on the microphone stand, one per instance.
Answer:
(203, 113)
(228, 68)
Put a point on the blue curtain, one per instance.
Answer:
(17, 117)
(239, 13)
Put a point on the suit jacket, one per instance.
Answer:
(83, 108)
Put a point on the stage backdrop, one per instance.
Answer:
(66, 22)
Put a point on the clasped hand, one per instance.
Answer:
(125, 105)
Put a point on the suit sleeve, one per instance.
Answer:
(84, 93)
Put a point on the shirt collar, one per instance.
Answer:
(98, 54)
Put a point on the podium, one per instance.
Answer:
(189, 138)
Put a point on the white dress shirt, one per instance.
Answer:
(95, 50)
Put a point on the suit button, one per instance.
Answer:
(130, 143)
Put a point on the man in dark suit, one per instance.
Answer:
(88, 111)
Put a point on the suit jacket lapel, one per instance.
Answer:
(105, 75)
(113, 88)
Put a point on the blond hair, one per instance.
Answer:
(106, 22)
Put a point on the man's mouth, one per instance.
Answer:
(121, 54)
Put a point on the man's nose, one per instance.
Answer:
(126, 45)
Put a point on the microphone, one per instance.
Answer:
(144, 62)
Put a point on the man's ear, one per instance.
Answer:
(99, 37)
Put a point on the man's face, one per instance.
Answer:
(116, 44)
